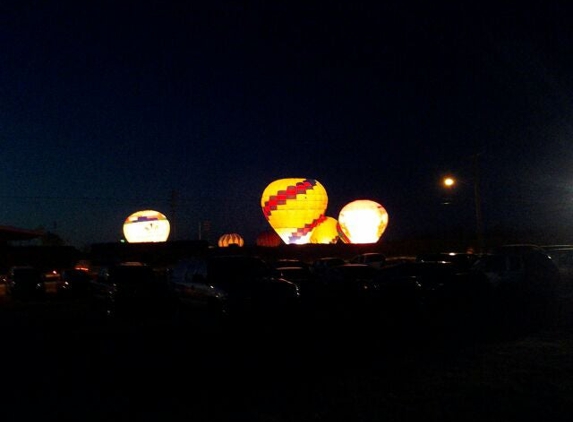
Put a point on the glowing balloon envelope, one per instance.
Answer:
(230, 239)
(363, 221)
(341, 235)
(294, 207)
(325, 232)
(146, 226)
(269, 239)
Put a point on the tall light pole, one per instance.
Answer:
(477, 199)
(449, 183)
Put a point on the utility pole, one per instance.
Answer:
(477, 198)
(204, 229)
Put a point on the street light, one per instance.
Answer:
(477, 200)
(450, 181)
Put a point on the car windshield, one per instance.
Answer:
(356, 271)
(461, 260)
(374, 258)
(498, 263)
(131, 274)
(330, 262)
(418, 269)
(282, 263)
(295, 273)
(75, 275)
(226, 269)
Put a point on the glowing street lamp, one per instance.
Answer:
(449, 182)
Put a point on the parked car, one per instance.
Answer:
(399, 259)
(462, 260)
(373, 259)
(562, 256)
(350, 277)
(524, 280)
(53, 284)
(399, 298)
(320, 265)
(524, 269)
(345, 290)
(76, 282)
(302, 276)
(289, 262)
(25, 282)
(434, 289)
(130, 290)
(232, 286)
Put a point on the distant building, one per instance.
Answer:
(9, 235)
(12, 234)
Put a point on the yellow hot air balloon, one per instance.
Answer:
(230, 239)
(325, 232)
(341, 235)
(294, 207)
(363, 221)
(146, 226)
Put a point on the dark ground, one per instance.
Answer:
(61, 362)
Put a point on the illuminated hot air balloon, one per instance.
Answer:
(230, 239)
(341, 235)
(269, 239)
(146, 226)
(294, 207)
(325, 232)
(363, 221)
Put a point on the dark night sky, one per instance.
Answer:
(108, 107)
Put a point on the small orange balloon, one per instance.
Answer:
(230, 239)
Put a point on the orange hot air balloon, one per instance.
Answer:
(269, 239)
(326, 232)
(294, 207)
(363, 221)
(230, 239)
